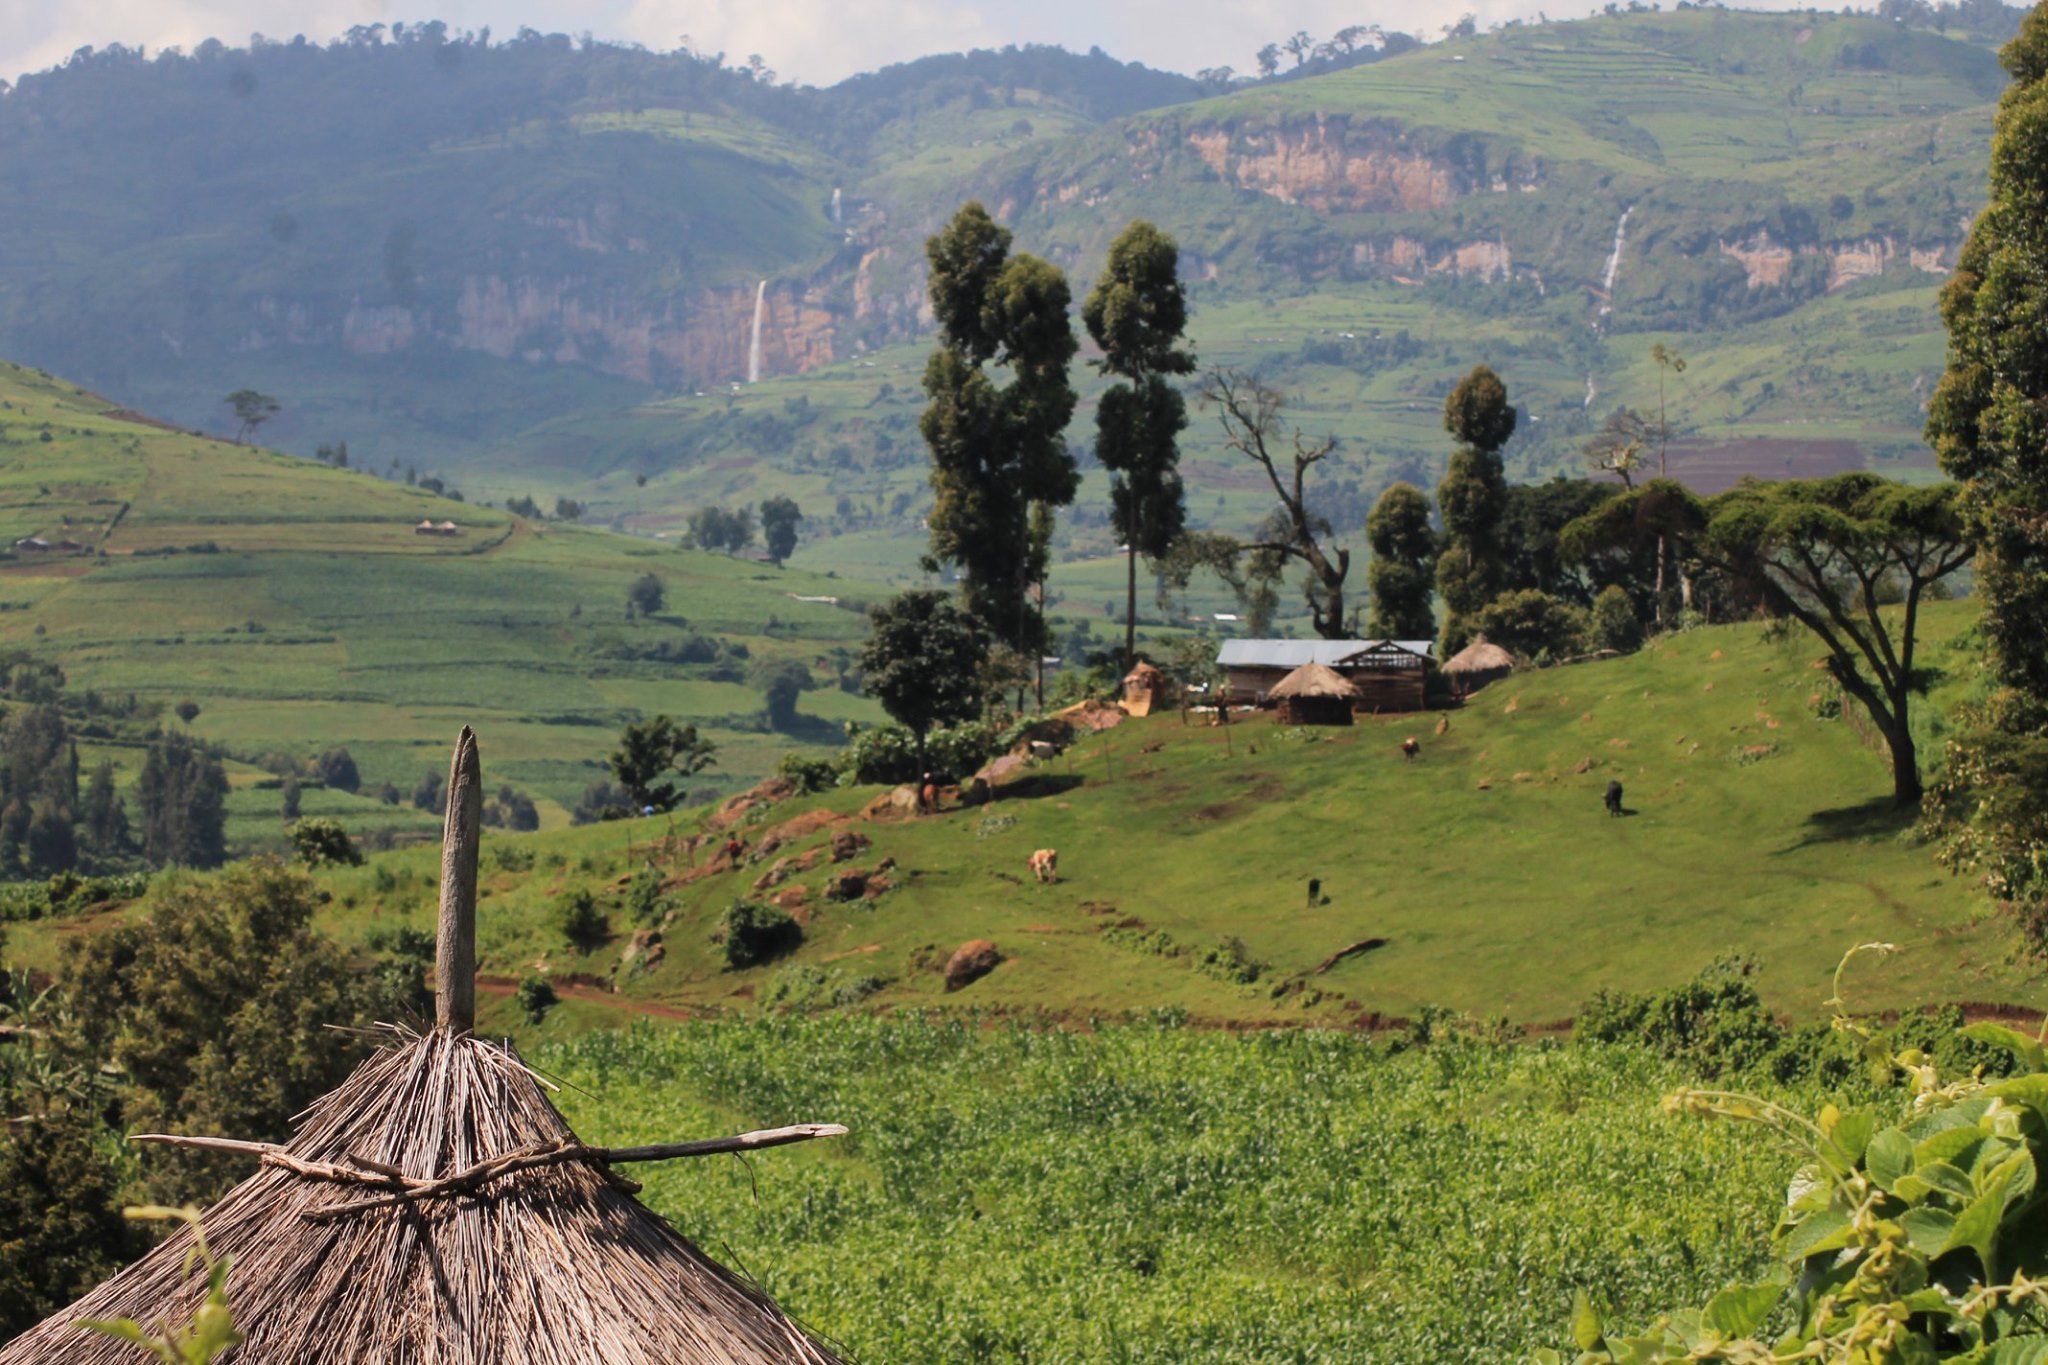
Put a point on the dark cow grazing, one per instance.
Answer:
(1315, 890)
(1409, 748)
(1614, 798)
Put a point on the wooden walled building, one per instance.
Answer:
(1388, 675)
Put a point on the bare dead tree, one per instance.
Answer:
(1252, 426)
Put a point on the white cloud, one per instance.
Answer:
(815, 41)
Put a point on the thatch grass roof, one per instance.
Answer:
(1481, 656)
(554, 1264)
(437, 1210)
(1313, 680)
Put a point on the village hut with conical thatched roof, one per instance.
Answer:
(1314, 695)
(1478, 664)
(437, 1210)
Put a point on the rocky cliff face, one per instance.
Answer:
(1767, 261)
(693, 338)
(1333, 165)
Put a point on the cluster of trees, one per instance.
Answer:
(219, 1011)
(54, 818)
(566, 509)
(1347, 46)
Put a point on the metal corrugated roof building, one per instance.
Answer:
(1292, 654)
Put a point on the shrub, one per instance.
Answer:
(888, 753)
(1615, 625)
(644, 899)
(1715, 1021)
(188, 710)
(645, 594)
(802, 986)
(757, 933)
(320, 841)
(586, 927)
(337, 770)
(808, 774)
(1534, 625)
(536, 996)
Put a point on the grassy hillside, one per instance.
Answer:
(543, 279)
(297, 606)
(1186, 852)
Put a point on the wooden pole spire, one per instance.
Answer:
(455, 954)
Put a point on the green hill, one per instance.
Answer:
(1185, 853)
(532, 266)
(298, 607)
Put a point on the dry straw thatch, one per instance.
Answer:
(1481, 656)
(436, 1209)
(1315, 681)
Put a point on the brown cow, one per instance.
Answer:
(1045, 864)
(1410, 748)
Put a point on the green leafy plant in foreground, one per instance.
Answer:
(212, 1328)
(1920, 1240)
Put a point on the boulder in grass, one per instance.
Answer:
(970, 962)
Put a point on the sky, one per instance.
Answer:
(812, 41)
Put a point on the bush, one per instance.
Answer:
(536, 996)
(1715, 1021)
(802, 986)
(1534, 625)
(758, 933)
(888, 753)
(337, 770)
(321, 841)
(644, 899)
(586, 927)
(1615, 625)
(603, 799)
(808, 774)
(645, 594)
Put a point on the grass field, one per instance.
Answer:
(314, 617)
(1146, 1193)
(1186, 853)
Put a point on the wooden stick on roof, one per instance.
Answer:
(455, 954)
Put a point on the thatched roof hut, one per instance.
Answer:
(1314, 694)
(437, 1209)
(1478, 664)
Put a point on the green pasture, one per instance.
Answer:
(1756, 828)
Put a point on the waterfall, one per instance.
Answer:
(754, 342)
(1614, 263)
(835, 206)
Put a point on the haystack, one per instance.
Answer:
(1314, 695)
(436, 1209)
(1478, 664)
(1144, 688)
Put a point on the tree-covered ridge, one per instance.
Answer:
(515, 231)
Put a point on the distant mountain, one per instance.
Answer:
(491, 258)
